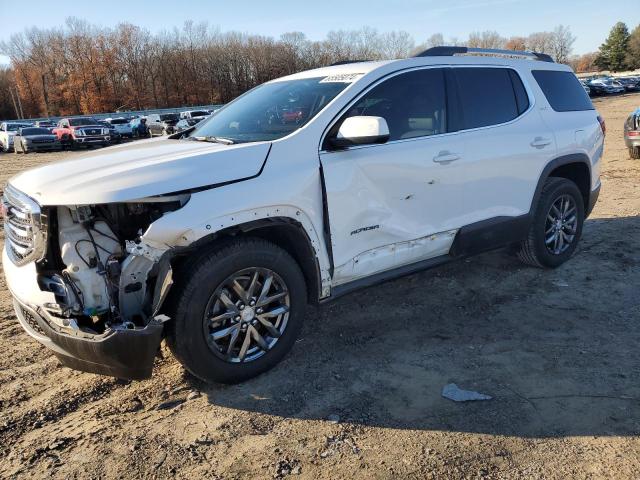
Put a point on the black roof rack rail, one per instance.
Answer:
(346, 62)
(450, 51)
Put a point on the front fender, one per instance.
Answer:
(244, 220)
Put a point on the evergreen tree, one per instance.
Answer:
(613, 52)
(633, 50)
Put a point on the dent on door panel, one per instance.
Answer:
(394, 255)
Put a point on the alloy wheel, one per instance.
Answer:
(246, 315)
(561, 225)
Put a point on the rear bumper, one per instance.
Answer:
(118, 352)
(631, 141)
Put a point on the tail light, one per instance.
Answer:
(633, 133)
(603, 125)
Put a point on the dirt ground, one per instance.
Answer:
(360, 394)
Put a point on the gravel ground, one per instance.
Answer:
(359, 396)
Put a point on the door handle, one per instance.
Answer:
(446, 157)
(540, 142)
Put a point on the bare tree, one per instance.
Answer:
(540, 42)
(486, 39)
(562, 42)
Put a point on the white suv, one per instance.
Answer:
(301, 190)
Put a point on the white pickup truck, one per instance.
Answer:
(301, 190)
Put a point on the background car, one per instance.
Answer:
(122, 126)
(586, 87)
(630, 84)
(32, 139)
(75, 131)
(162, 123)
(8, 131)
(114, 135)
(138, 127)
(195, 114)
(632, 134)
(185, 123)
(605, 86)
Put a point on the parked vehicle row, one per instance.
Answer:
(610, 85)
(73, 132)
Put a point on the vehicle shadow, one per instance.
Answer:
(557, 349)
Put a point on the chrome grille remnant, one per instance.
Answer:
(25, 227)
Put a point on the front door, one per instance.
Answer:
(387, 204)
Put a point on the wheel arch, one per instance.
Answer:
(574, 167)
(285, 232)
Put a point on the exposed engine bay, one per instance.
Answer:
(101, 273)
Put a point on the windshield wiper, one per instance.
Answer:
(212, 139)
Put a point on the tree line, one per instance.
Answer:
(81, 68)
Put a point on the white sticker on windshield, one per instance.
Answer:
(342, 78)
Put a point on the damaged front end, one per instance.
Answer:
(100, 283)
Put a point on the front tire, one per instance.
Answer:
(556, 227)
(238, 312)
(634, 152)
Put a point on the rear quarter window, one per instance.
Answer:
(489, 96)
(563, 91)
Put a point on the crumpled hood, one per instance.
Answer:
(141, 169)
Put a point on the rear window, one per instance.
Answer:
(490, 96)
(119, 121)
(563, 91)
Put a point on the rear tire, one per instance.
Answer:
(198, 342)
(556, 227)
(634, 152)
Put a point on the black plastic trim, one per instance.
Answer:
(490, 234)
(551, 166)
(593, 198)
(447, 51)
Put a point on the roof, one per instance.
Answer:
(364, 68)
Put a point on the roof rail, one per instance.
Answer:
(346, 62)
(450, 51)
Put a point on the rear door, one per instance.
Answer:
(388, 203)
(507, 144)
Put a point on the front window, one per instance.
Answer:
(14, 127)
(79, 122)
(271, 111)
(35, 131)
(169, 117)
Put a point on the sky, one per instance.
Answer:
(589, 20)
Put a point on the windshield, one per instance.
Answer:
(270, 111)
(77, 122)
(14, 127)
(35, 131)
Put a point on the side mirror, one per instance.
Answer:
(361, 130)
